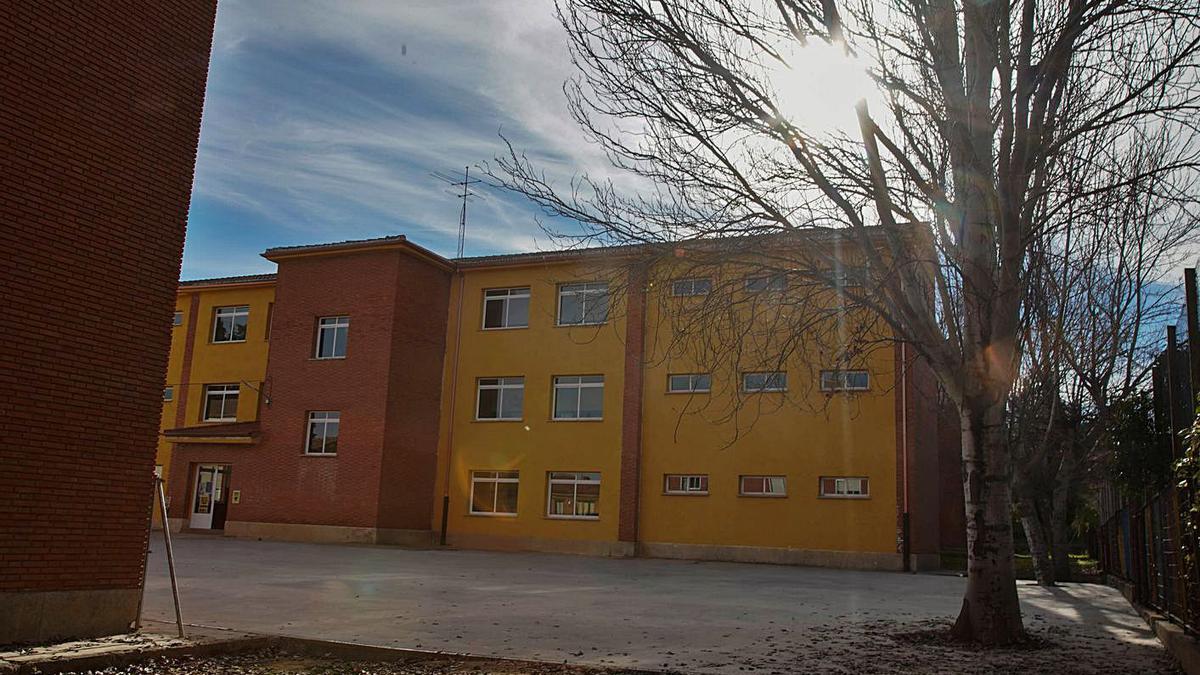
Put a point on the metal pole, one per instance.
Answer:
(162, 503)
(137, 623)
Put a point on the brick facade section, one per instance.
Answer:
(917, 437)
(631, 404)
(98, 135)
(387, 391)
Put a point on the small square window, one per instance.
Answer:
(494, 493)
(574, 495)
(582, 304)
(762, 486)
(578, 397)
(229, 323)
(690, 383)
(177, 320)
(765, 381)
(221, 402)
(505, 308)
(500, 398)
(168, 393)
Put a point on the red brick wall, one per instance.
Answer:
(631, 404)
(101, 114)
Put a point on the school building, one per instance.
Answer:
(602, 401)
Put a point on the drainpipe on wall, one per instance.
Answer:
(905, 523)
(462, 283)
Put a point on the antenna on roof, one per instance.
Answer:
(461, 189)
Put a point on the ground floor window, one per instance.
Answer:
(574, 495)
(494, 493)
(763, 486)
(844, 486)
(686, 484)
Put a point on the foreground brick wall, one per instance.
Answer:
(101, 114)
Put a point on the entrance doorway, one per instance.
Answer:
(209, 497)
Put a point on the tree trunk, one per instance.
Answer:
(990, 614)
(1035, 534)
(1060, 525)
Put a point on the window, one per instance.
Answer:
(833, 486)
(770, 282)
(220, 402)
(763, 486)
(500, 398)
(680, 484)
(322, 433)
(494, 493)
(332, 332)
(688, 287)
(506, 308)
(689, 383)
(574, 495)
(168, 393)
(229, 324)
(845, 380)
(177, 320)
(769, 381)
(582, 304)
(578, 397)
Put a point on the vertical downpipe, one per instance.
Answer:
(906, 528)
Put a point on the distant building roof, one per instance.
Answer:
(224, 281)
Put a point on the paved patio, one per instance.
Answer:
(662, 614)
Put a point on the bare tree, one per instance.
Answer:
(943, 189)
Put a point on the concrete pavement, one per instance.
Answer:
(668, 614)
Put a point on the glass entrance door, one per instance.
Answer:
(208, 499)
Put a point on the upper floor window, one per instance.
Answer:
(332, 332)
(767, 381)
(322, 433)
(506, 308)
(845, 380)
(574, 495)
(229, 324)
(834, 486)
(582, 304)
(681, 484)
(500, 398)
(168, 393)
(766, 282)
(686, 287)
(689, 383)
(177, 320)
(762, 486)
(578, 397)
(494, 493)
(220, 402)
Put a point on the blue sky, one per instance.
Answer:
(323, 121)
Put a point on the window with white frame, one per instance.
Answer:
(220, 402)
(844, 486)
(229, 323)
(845, 380)
(689, 383)
(690, 287)
(332, 334)
(506, 308)
(574, 495)
(323, 426)
(494, 493)
(766, 282)
(762, 486)
(177, 320)
(764, 381)
(685, 484)
(582, 304)
(578, 397)
(500, 398)
(168, 393)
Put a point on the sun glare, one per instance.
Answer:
(818, 87)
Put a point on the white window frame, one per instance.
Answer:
(758, 390)
(842, 485)
(773, 282)
(482, 477)
(686, 288)
(585, 290)
(168, 393)
(223, 390)
(232, 312)
(580, 478)
(838, 380)
(335, 322)
(501, 385)
(767, 478)
(561, 382)
(177, 319)
(324, 418)
(509, 294)
(700, 480)
(691, 383)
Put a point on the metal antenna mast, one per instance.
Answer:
(462, 190)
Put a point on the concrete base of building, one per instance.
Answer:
(859, 560)
(925, 562)
(48, 616)
(328, 534)
(610, 549)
